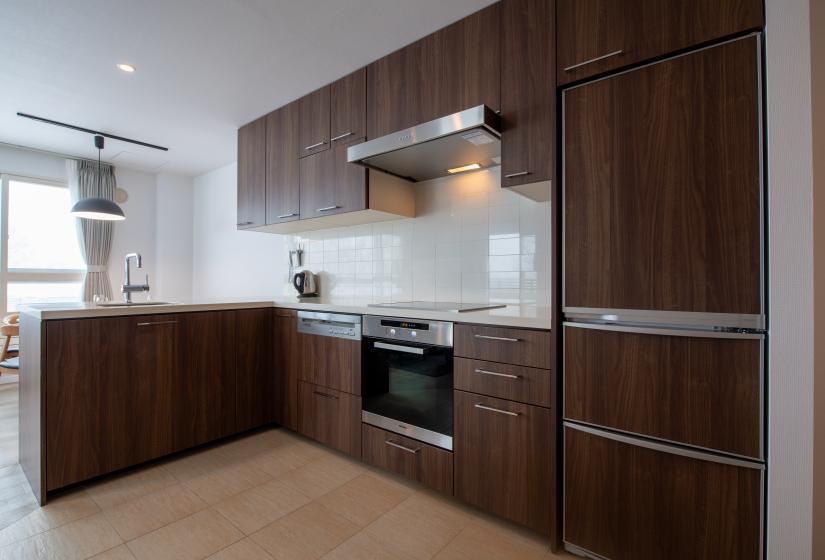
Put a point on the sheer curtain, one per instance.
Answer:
(93, 236)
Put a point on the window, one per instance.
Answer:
(40, 254)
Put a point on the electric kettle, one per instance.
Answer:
(306, 283)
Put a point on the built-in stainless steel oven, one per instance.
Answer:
(407, 378)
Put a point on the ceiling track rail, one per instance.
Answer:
(91, 131)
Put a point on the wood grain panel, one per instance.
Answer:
(314, 122)
(348, 107)
(317, 183)
(254, 361)
(628, 502)
(331, 362)
(504, 344)
(504, 459)
(423, 463)
(662, 186)
(330, 417)
(287, 362)
(283, 140)
(252, 174)
(455, 68)
(506, 381)
(349, 184)
(697, 391)
(643, 29)
(528, 102)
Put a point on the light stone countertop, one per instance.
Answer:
(525, 316)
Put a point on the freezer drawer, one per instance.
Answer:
(628, 499)
(696, 388)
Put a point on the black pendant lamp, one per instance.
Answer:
(97, 208)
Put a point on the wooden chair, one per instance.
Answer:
(8, 329)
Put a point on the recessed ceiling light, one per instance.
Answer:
(126, 67)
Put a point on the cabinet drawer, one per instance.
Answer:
(499, 344)
(282, 312)
(330, 417)
(516, 383)
(634, 499)
(504, 459)
(674, 385)
(408, 457)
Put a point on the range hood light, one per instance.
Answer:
(464, 168)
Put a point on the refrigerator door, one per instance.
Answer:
(663, 218)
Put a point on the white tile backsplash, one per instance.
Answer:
(472, 241)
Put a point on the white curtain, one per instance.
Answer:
(93, 236)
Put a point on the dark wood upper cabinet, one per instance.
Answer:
(348, 108)
(255, 379)
(453, 69)
(595, 36)
(287, 359)
(528, 100)
(282, 181)
(314, 131)
(204, 390)
(330, 185)
(662, 190)
(692, 390)
(504, 459)
(252, 174)
(624, 501)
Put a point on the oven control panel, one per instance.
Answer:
(436, 333)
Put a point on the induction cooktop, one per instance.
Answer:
(448, 306)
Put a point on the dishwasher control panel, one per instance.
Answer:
(330, 324)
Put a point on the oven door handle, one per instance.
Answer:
(399, 348)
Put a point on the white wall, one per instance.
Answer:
(790, 385)
(173, 237)
(228, 262)
(135, 234)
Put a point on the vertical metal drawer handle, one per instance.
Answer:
(344, 135)
(325, 395)
(519, 174)
(150, 323)
(507, 375)
(403, 448)
(290, 215)
(592, 60)
(500, 338)
(491, 409)
(327, 208)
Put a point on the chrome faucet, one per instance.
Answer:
(128, 288)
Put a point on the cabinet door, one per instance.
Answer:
(252, 174)
(502, 344)
(205, 389)
(330, 417)
(348, 108)
(600, 35)
(282, 180)
(503, 458)
(641, 502)
(453, 69)
(287, 359)
(662, 186)
(314, 122)
(317, 185)
(255, 379)
(528, 100)
(331, 362)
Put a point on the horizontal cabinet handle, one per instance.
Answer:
(150, 323)
(325, 395)
(507, 375)
(403, 448)
(592, 60)
(663, 331)
(344, 135)
(327, 208)
(321, 143)
(519, 174)
(290, 215)
(499, 338)
(245, 223)
(498, 410)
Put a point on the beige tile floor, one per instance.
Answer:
(269, 495)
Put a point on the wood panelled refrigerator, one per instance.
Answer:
(664, 309)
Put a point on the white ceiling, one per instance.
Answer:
(204, 67)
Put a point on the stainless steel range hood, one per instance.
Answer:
(468, 138)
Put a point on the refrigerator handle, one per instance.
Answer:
(667, 331)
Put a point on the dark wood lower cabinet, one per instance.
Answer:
(504, 459)
(254, 375)
(627, 502)
(286, 364)
(524, 347)
(330, 417)
(331, 362)
(515, 383)
(410, 458)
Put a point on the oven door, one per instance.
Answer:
(408, 389)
